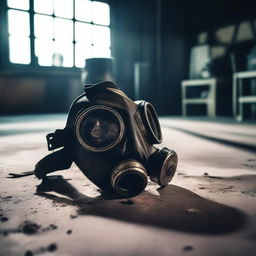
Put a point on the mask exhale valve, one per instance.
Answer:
(129, 178)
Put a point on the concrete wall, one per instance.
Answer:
(26, 93)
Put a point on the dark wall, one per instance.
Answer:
(176, 41)
(153, 32)
(37, 92)
(148, 32)
(133, 38)
(162, 33)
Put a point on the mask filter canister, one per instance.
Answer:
(129, 178)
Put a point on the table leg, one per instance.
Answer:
(234, 95)
(240, 94)
(211, 105)
(253, 92)
(184, 105)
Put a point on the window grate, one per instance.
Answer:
(58, 32)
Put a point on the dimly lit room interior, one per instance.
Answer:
(92, 75)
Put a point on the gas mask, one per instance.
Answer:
(111, 139)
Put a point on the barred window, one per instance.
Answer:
(58, 32)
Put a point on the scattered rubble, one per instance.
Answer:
(187, 248)
(30, 228)
(69, 231)
(192, 211)
(128, 202)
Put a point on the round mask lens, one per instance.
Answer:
(99, 128)
(151, 123)
(163, 165)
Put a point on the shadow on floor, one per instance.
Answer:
(175, 208)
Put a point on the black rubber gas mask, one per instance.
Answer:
(110, 138)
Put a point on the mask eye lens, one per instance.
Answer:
(99, 128)
(154, 124)
(151, 123)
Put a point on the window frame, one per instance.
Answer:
(7, 65)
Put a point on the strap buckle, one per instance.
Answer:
(57, 139)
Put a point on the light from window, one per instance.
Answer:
(83, 51)
(63, 29)
(83, 10)
(91, 41)
(66, 51)
(43, 42)
(45, 6)
(83, 32)
(19, 49)
(63, 8)
(43, 26)
(18, 23)
(20, 4)
(19, 42)
(44, 51)
(100, 13)
(59, 32)
(99, 52)
(101, 36)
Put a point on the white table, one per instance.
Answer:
(210, 101)
(238, 98)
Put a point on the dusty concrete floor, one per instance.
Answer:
(209, 209)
